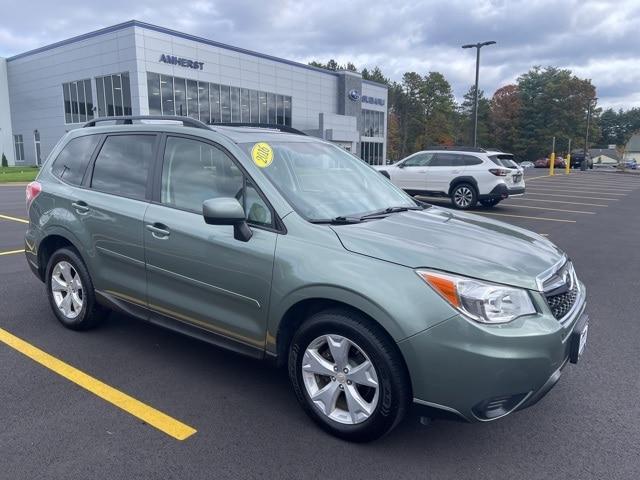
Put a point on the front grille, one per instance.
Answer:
(561, 290)
(562, 304)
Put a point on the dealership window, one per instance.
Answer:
(78, 101)
(213, 103)
(372, 152)
(114, 95)
(203, 102)
(18, 144)
(372, 123)
(214, 99)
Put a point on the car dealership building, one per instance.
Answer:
(136, 68)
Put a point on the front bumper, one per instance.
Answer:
(481, 373)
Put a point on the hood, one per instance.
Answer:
(455, 242)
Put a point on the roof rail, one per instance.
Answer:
(128, 120)
(456, 148)
(271, 126)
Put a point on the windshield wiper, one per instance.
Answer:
(338, 220)
(389, 210)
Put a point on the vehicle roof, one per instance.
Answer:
(235, 134)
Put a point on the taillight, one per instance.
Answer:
(499, 172)
(33, 190)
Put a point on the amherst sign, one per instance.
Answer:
(182, 62)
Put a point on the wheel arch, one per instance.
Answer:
(300, 311)
(52, 242)
(463, 179)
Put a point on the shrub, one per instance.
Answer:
(5, 163)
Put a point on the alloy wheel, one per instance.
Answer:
(340, 379)
(463, 196)
(67, 289)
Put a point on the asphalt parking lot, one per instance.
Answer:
(247, 421)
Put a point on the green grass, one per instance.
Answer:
(17, 174)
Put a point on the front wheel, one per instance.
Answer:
(464, 196)
(490, 202)
(347, 376)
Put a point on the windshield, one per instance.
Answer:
(323, 182)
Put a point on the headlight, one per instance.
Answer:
(481, 301)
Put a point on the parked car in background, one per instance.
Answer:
(527, 164)
(544, 163)
(373, 301)
(466, 175)
(577, 157)
(631, 164)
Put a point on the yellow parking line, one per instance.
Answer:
(572, 196)
(581, 190)
(15, 219)
(523, 216)
(551, 208)
(557, 201)
(150, 415)
(9, 252)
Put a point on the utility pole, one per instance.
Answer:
(567, 166)
(477, 46)
(583, 164)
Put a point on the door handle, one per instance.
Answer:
(81, 207)
(456, 171)
(159, 230)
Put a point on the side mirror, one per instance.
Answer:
(401, 165)
(227, 211)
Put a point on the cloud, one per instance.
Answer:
(597, 39)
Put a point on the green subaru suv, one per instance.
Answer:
(283, 246)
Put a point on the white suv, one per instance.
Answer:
(466, 175)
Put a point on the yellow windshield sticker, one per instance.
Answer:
(262, 154)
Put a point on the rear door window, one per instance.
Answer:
(447, 160)
(122, 166)
(72, 161)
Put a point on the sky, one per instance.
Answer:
(595, 39)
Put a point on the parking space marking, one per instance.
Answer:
(15, 219)
(573, 196)
(557, 201)
(553, 209)
(523, 216)
(147, 414)
(11, 252)
(571, 190)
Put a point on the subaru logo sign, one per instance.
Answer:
(354, 95)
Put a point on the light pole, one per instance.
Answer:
(583, 164)
(477, 46)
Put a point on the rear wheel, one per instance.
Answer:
(490, 202)
(348, 377)
(70, 291)
(464, 196)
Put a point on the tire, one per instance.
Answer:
(464, 196)
(82, 310)
(384, 389)
(490, 203)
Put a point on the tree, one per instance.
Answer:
(504, 117)
(334, 66)
(467, 116)
(439, 109)
(5, 163)
(553, 103)
(375, 75)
